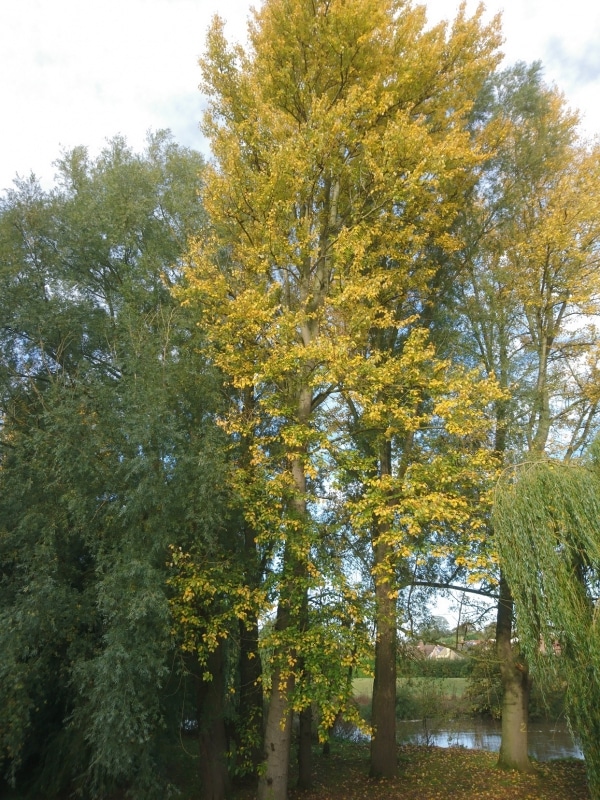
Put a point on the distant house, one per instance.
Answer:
(440, 651)
(437, 651)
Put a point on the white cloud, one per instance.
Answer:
(79, 72)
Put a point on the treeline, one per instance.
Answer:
(253, 411)
(438, 667)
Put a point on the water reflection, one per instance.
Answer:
(547, 739)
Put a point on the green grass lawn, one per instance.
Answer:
(451, 687)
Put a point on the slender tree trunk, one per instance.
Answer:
(312, 286)
(273, 782)
(515, 685)
(211, 726)
(513, 671)
(383, 742)
(305, 715)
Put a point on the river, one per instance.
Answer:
(547, 739)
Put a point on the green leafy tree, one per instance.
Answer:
(108, 456)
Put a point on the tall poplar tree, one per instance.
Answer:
(527, 294)
(336, 136)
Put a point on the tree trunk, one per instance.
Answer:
(251, 692)
(383, 743)
(214, 776)
(273, 782)
(513, 670)
(305, 749)
(515, 685)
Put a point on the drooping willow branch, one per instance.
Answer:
(547, 524)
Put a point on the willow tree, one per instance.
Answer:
(107, 456)
(334, 136)
(546, 522)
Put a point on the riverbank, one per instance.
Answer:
(439, 712)
(432, 773)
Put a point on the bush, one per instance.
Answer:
(484, 687)
(407, 703)
(422, 698)
(436, 667)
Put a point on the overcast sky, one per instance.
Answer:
(79, 71)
